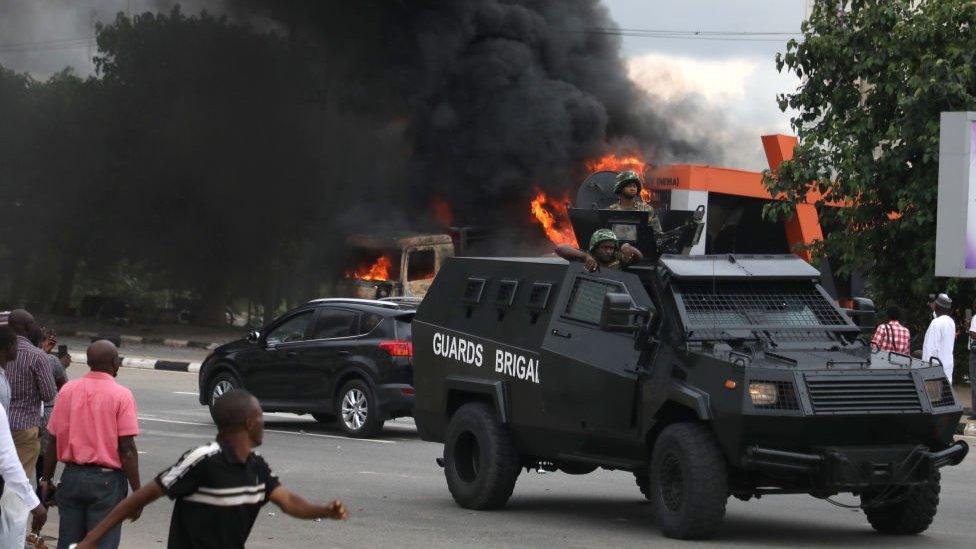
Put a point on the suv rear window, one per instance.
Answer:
(403, 326)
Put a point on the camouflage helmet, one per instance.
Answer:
(601, 235)
(624, 178)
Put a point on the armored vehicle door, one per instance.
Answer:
(592, 374)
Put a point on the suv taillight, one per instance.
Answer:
(397, 347)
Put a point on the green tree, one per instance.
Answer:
(875, 75)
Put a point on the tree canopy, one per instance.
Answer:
(876, 74)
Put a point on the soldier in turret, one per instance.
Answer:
(604, 251)
(628, 189)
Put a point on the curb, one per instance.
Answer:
(147, 363)
(179, 343)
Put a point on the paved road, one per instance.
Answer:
(398, 498)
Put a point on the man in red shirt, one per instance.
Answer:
(93, 428)
(892, 336)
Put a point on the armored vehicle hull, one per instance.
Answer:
(705, 377)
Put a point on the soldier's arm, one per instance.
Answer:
(630, 253)
(570, 253)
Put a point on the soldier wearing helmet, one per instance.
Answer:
(604, 251)
(628, 189)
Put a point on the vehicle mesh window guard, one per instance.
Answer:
(946, 397)
(586, 300)
(734, 304)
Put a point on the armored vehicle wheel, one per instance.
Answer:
(688, 481)
(909, 516)
(220, 384)
(480, 460)
(324, 418)
(643, 482)
(356, 410)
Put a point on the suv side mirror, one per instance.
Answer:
(253, 336)
(619, 315)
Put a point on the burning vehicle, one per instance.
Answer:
(393, 265)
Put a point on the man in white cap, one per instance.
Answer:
(941, 335)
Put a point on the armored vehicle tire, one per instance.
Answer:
(688, 481)
(323, 418)
(911, 515)
(220, 384)
(481, 463)
(356, 410)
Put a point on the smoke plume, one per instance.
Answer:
(494, 97)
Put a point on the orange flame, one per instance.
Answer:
(554, 217)
(379, 270)
(442, 211)
(615, 163)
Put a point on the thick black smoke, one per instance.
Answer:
(495, 97)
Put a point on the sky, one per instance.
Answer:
(731, 85)
(734, 82)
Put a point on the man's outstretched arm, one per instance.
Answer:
(299, 507)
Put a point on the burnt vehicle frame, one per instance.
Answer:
(657, 371)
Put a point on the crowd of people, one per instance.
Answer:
(89, 425)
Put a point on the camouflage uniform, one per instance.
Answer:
(624, 178)
(602, 235)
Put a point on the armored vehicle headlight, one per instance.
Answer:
(934, 389)
(762, 394)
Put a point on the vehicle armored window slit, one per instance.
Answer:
(506, 293)
(539, 296)
(474, 289)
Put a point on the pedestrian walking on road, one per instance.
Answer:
(48, 340)
(93, 428)
(892, 335)
(15, 482)
(31, 383)
(940, 337)
(220, 487)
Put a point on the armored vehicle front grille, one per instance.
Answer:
(785, 396)
(946, 397)
(779, 305)
(863, 394)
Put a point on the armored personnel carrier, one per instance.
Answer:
(705, 377)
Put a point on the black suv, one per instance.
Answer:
(344, 359)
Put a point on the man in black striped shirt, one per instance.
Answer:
(220, 487)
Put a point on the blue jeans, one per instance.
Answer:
(86, 495)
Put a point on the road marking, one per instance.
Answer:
(152, 432)
(305, 434)
(398, 475)
(186, 393)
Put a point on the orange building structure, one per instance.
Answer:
(687, 186)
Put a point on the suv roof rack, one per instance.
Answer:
(373, 302)
(409, 300)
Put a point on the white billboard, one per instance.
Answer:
(955, 243)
